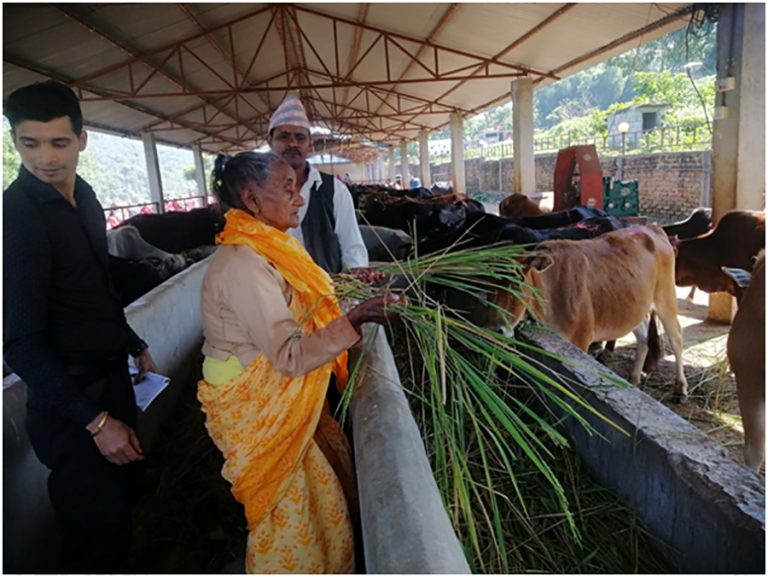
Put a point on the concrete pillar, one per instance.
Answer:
(404, 165)
(750, 192)
(380, 168)
(725, 137)
(458, 174)
(200, 179)
(738, 139)
(426, 179)
(522, 135)
(153, 170)
(391, 167)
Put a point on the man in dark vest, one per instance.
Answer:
(65, 332)
(329, 229)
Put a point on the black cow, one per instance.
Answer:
(698, 223)
(386, 244)
(134, 278)
(429, 217)
(587, 228)
(362, 194)
(136, 267)
(178, 231)
(485, 229)
(559, 218)
(442, 187)
(126, 242)
(734, 242)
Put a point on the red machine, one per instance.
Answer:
(578, 178)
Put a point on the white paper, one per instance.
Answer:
(147, 390)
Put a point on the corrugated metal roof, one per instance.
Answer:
(210, 74)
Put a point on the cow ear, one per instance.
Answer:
(542, 262)
(740, 276)
(539, 262)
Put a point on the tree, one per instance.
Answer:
(688, 99)
(11, 161)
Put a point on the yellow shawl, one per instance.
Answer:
(264, 421)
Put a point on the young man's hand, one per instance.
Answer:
(145, 364)
(118, 442)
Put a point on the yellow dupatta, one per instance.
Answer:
(264, 423)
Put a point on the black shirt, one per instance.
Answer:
(59, 306)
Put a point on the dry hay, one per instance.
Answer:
(712, 405)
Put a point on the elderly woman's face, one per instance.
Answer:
(278, 201)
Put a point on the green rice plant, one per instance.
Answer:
(482, 433)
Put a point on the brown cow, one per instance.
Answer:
(602, 288)
(734, 242)
(746, 353)
(517, 206)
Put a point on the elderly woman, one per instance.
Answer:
(273, 336)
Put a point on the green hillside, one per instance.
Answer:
(115, 167)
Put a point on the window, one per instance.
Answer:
(650, 120)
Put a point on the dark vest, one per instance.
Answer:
(318, 227)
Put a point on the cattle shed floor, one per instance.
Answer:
(712, 405)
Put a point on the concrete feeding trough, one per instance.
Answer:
(708, 510)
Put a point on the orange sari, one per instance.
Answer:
(268, 427)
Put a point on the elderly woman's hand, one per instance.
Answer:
(367, 275)
(375, 310)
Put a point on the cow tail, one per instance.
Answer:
(654, 345)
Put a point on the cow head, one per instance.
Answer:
(519, 205)
(509, 308)
(707, 276)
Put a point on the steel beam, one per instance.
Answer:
(109, 37)
(427, 43)
(627, 38)
(495, 58)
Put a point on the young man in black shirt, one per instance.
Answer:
(65, 332)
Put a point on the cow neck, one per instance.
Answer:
(535, 298)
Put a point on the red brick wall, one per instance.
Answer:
(670, 184)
